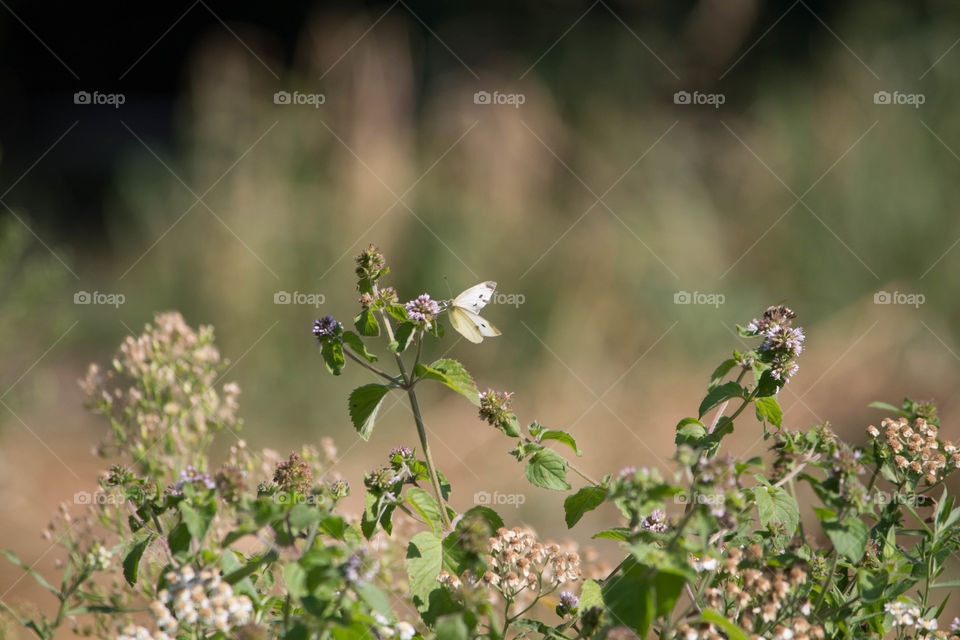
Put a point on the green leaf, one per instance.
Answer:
(617, 533)
(427, 507)
(366, 323)
(584, 500)
(720, 372)
(590, 595)
(639, 594)
(364, 402)
(768, 410)
(354, 341)
(398, 311)
(373, 596)
(886, 406)
(424, 561)
(849, 537)
(733, 631)
(690, 432)
(720, 394)
(776, 505)
(560, 436)
(452, 374)
(403, 336)
(767, 385)
(547, 469)
(332, 352)
(450, 627)
(198, 519)
(131, 558)
(12, 557)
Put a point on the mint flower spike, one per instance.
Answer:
(782, 343)
(423, 309)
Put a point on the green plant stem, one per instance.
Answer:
(372, 368)
(418, 418)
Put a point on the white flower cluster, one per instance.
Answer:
(99, 558)
(199, 598)
(905, 616)
(402, 630)
(136, 632)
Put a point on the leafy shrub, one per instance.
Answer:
(175, 547)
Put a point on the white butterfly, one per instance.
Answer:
(465, 310)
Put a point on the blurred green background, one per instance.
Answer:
(598, 199)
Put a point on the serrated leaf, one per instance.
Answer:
(776, 505)
(584, 500)
(849, 537)
(720, 372)
(560, 436)
(768, 410)
(720, 394)
(639, 594)
(547, 469)
(364, 404)
(366, 323)
(198, 519)
(332, 352)
(403, 336)
(690, 432)
(424, 561)
(427, 507)
(132, 556)
(452, 374)
(354, 341)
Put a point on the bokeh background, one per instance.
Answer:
(599, 201)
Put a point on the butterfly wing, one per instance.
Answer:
(471, 326)
(476, 297)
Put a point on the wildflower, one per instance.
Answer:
(568, 603)
(370, 263)
(405, 630)
(99, 558)
(655, 522)
(294, 474)
(423, 309)
(495, 410)
(325, 328)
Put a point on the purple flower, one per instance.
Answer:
(423, 309)
(568, 603)
(326, 327)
